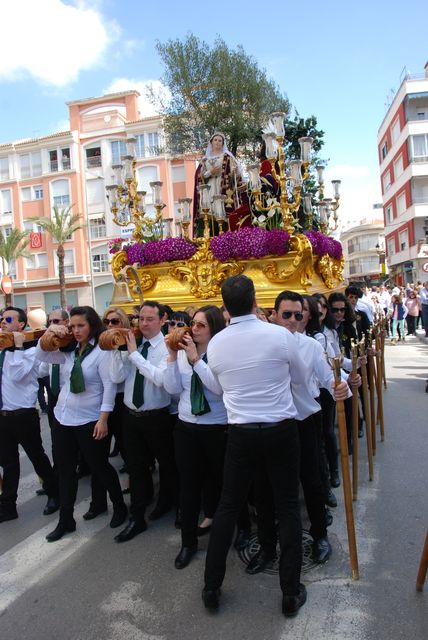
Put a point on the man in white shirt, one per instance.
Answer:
(19, 419)
(255, 363)
(146, 425)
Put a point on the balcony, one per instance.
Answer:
(94, 162)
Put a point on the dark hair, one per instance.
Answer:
(238, 295)
(353, 290)
(339, 297)
(22, 316)
(288, 295)
(92, 318)
(181, 316)
(313, 325)
(328, 320)
(167, 309)
(155, 305)
(214, 318)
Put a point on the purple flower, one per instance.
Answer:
(249, 242)
(322, 245)
(157, 251)
(135, 253)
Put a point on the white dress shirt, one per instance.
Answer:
(19, 383)
(177, 379)
(255, 363)
(74, 409)
(46, 370)
(123, 367)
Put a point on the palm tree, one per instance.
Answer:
(12, 247)
(61, 227)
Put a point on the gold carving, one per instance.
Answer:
(203, 274)
(330, 269)
(301, 265)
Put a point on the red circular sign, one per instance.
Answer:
(425, 267)
(6, 285)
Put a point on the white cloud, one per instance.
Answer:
(145, 106)
(53, 41)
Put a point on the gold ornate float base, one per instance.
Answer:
(197, 281)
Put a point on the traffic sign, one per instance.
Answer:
(6, 285)
(425, 267)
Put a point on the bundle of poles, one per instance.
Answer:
(368, 356)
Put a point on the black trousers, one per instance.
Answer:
(411, 324)
(22, 429)
(309, 430)
(328, 408)
(199, 452)
(147, 437)
(68, 441)
(278, 448)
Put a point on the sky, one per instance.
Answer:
(339, 61)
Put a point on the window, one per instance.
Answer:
(419, 148)
(5, 201)
(4, 169)
(386, 180)
(403, 239)
(95, 192)
(178, 173)
(391, 246)
(145, 176)
(38, 192)
(12, 270)
(25, 194)
(7, 231)
(60, 159)
(118, 149)
(389, 215)
(421, 115)
(30, 164)
(93, 157)
(97, 227)
(100, 261)
(384, 150)
(153, 148)
(420, 190)
(32, 193)
(60, 193)
(68, 261)
(401, 204)
(398, 167)
(395, 131)
(139, 146)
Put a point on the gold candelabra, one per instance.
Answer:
(127, 202)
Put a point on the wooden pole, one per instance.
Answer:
(423, 566)
(355, 440)
(379, 384)
(382, 338)
(371, 385)
(362, 353)
(346, 480)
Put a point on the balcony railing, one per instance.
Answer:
(54, 165)
(93, 162)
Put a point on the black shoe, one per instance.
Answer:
(52, 505)
(321, 550)
(328, 517)
(60, 530)
(259, 562)
(8, 515)
(131, 530)
(41, 492)
(211, 599)
(159, 511)
(202, 531)
(93, 512)
(242, 539)
(120, 514)
(185, 556)
(292, 604)
(334, 479)
(82, 472)
(330, 499)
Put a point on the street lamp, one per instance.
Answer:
(380, 250)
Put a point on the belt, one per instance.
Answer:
(150, 412)
(15, 412)
(263, 425)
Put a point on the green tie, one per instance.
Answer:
(77, 381)
(138, 392)
(2, 357)
(55, 379)
(198, 401)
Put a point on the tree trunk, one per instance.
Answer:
(61, 276)
(8, 299)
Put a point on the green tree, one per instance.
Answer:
(61, 227)
(214, 88)
(13, 247)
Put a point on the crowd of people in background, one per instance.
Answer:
(234, 417)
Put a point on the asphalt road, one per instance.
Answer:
(87, 587)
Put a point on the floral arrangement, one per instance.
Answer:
(322, 245)
(115, 245)
(249, 242)
(157, 251)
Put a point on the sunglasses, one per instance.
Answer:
(177, 323)
(286, 315)
(8, 319)
(54, 321)
(338, 309)
(198, 325)
(114, 321)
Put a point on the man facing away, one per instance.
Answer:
(255, 363)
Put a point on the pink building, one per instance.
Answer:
(73, 167)
(403, 161)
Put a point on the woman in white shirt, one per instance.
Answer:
(81, 413)
(200, 433)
